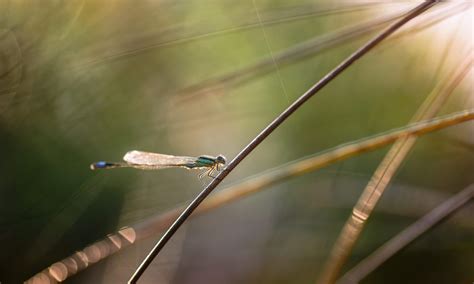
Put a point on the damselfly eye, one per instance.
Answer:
(221, 159)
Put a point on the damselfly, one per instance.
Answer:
(154, 161)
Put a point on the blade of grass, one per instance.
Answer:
(269, 19)
(156, 224)
(269, 129)
(308, 48)
(310, 164)
(384, 173)
(290, 55)
(407, 236)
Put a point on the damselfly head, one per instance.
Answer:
(221, 159)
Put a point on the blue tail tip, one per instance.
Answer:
(99, 165)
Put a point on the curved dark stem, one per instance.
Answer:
(269, 129)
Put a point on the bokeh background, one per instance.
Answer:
(82, 81)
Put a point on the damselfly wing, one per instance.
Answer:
(155, 161)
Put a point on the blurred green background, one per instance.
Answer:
(83, 81)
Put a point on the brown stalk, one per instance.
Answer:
(97, 251)
(407, 236)
(384, 173)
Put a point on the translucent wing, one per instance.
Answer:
(147, 160)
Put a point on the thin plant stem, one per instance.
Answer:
(270, 18)
(292, 54)
(311, 47)
(407, 236)
(269, 129)
(311, 164)
(439, 16)
(156, 224)
(385, 172)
